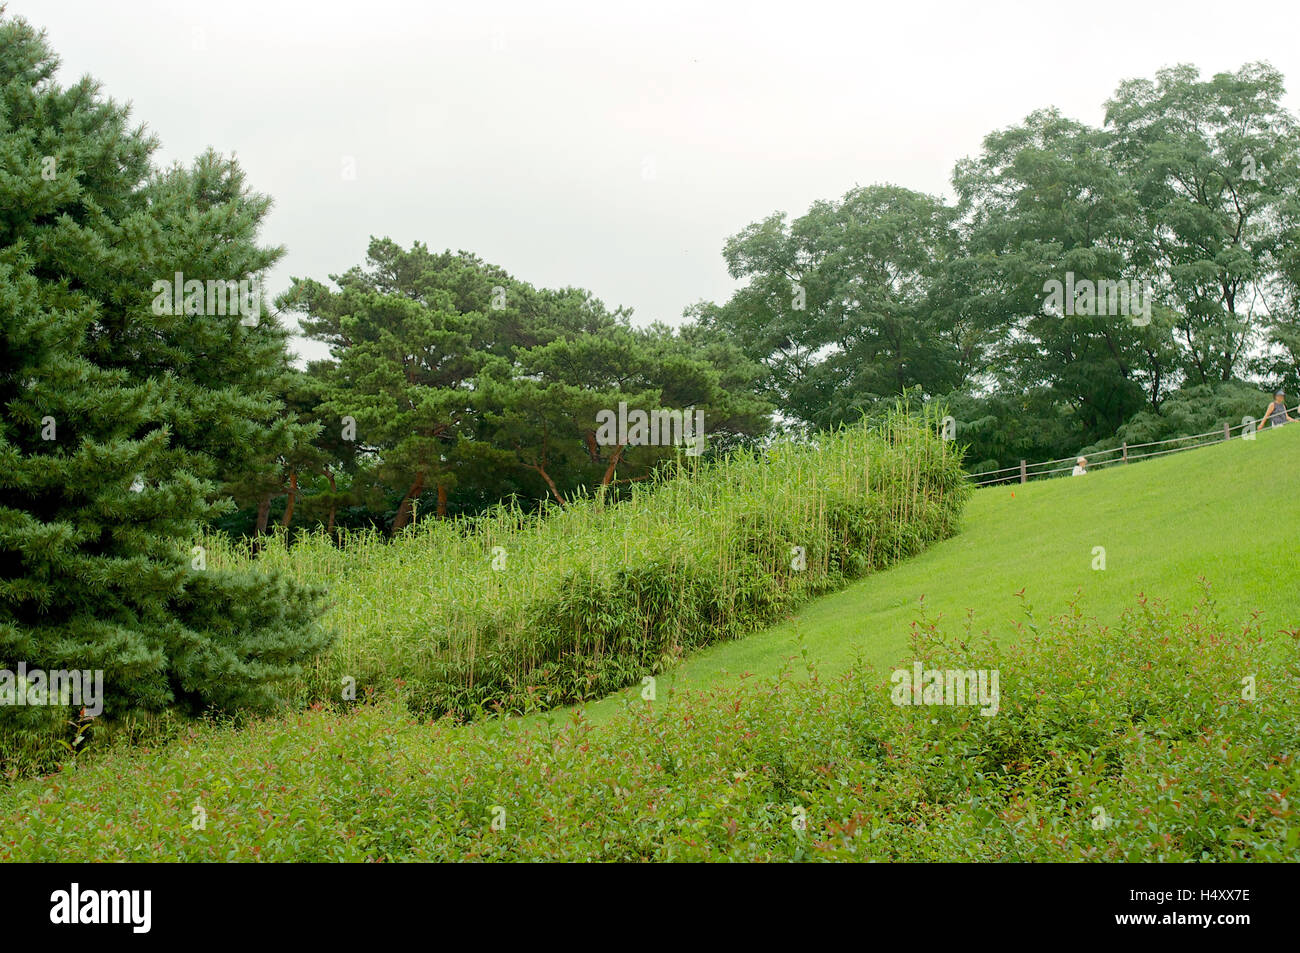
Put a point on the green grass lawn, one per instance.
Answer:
(1230, 513)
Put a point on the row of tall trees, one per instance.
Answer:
(452, 385)
(132, 422)
(127, 430)
(1189, 188)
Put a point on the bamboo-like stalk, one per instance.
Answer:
(430, 602)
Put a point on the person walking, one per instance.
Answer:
(1276, 414)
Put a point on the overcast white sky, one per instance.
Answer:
(613, 146)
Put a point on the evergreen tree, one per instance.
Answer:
(409, 333)
(119, 416)
(462, 379)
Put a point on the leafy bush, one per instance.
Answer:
(1143, 720)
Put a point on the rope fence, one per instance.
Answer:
(1024, 472)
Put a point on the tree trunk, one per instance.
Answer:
(263, 513)
(404, 511)
(613, 464)
(293, 497)
(329, 528)
(555, 491)
(442, 502)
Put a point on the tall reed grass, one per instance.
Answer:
(516, 611)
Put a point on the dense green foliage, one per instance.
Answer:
(121, 419)
(521, 611)
(452, 386)
(1189, 194)
(1120, 742)
(621, 576)
(1143, 720)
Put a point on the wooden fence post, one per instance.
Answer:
(1227, 431)
(1024, 477)
(1125, 451)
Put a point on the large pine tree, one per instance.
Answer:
(118, 424)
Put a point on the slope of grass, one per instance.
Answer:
(1126, 729)
(1228, 513)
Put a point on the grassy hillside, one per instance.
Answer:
(1124, 731)
(1118, 742)
(1229, 513)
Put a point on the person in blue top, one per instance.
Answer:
(1276, 414)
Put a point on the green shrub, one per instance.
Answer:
(1143, 720)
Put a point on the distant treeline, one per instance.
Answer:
(452, 386)
(1089, 285)
(1137, 281)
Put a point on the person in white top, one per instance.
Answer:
(1080, 467)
